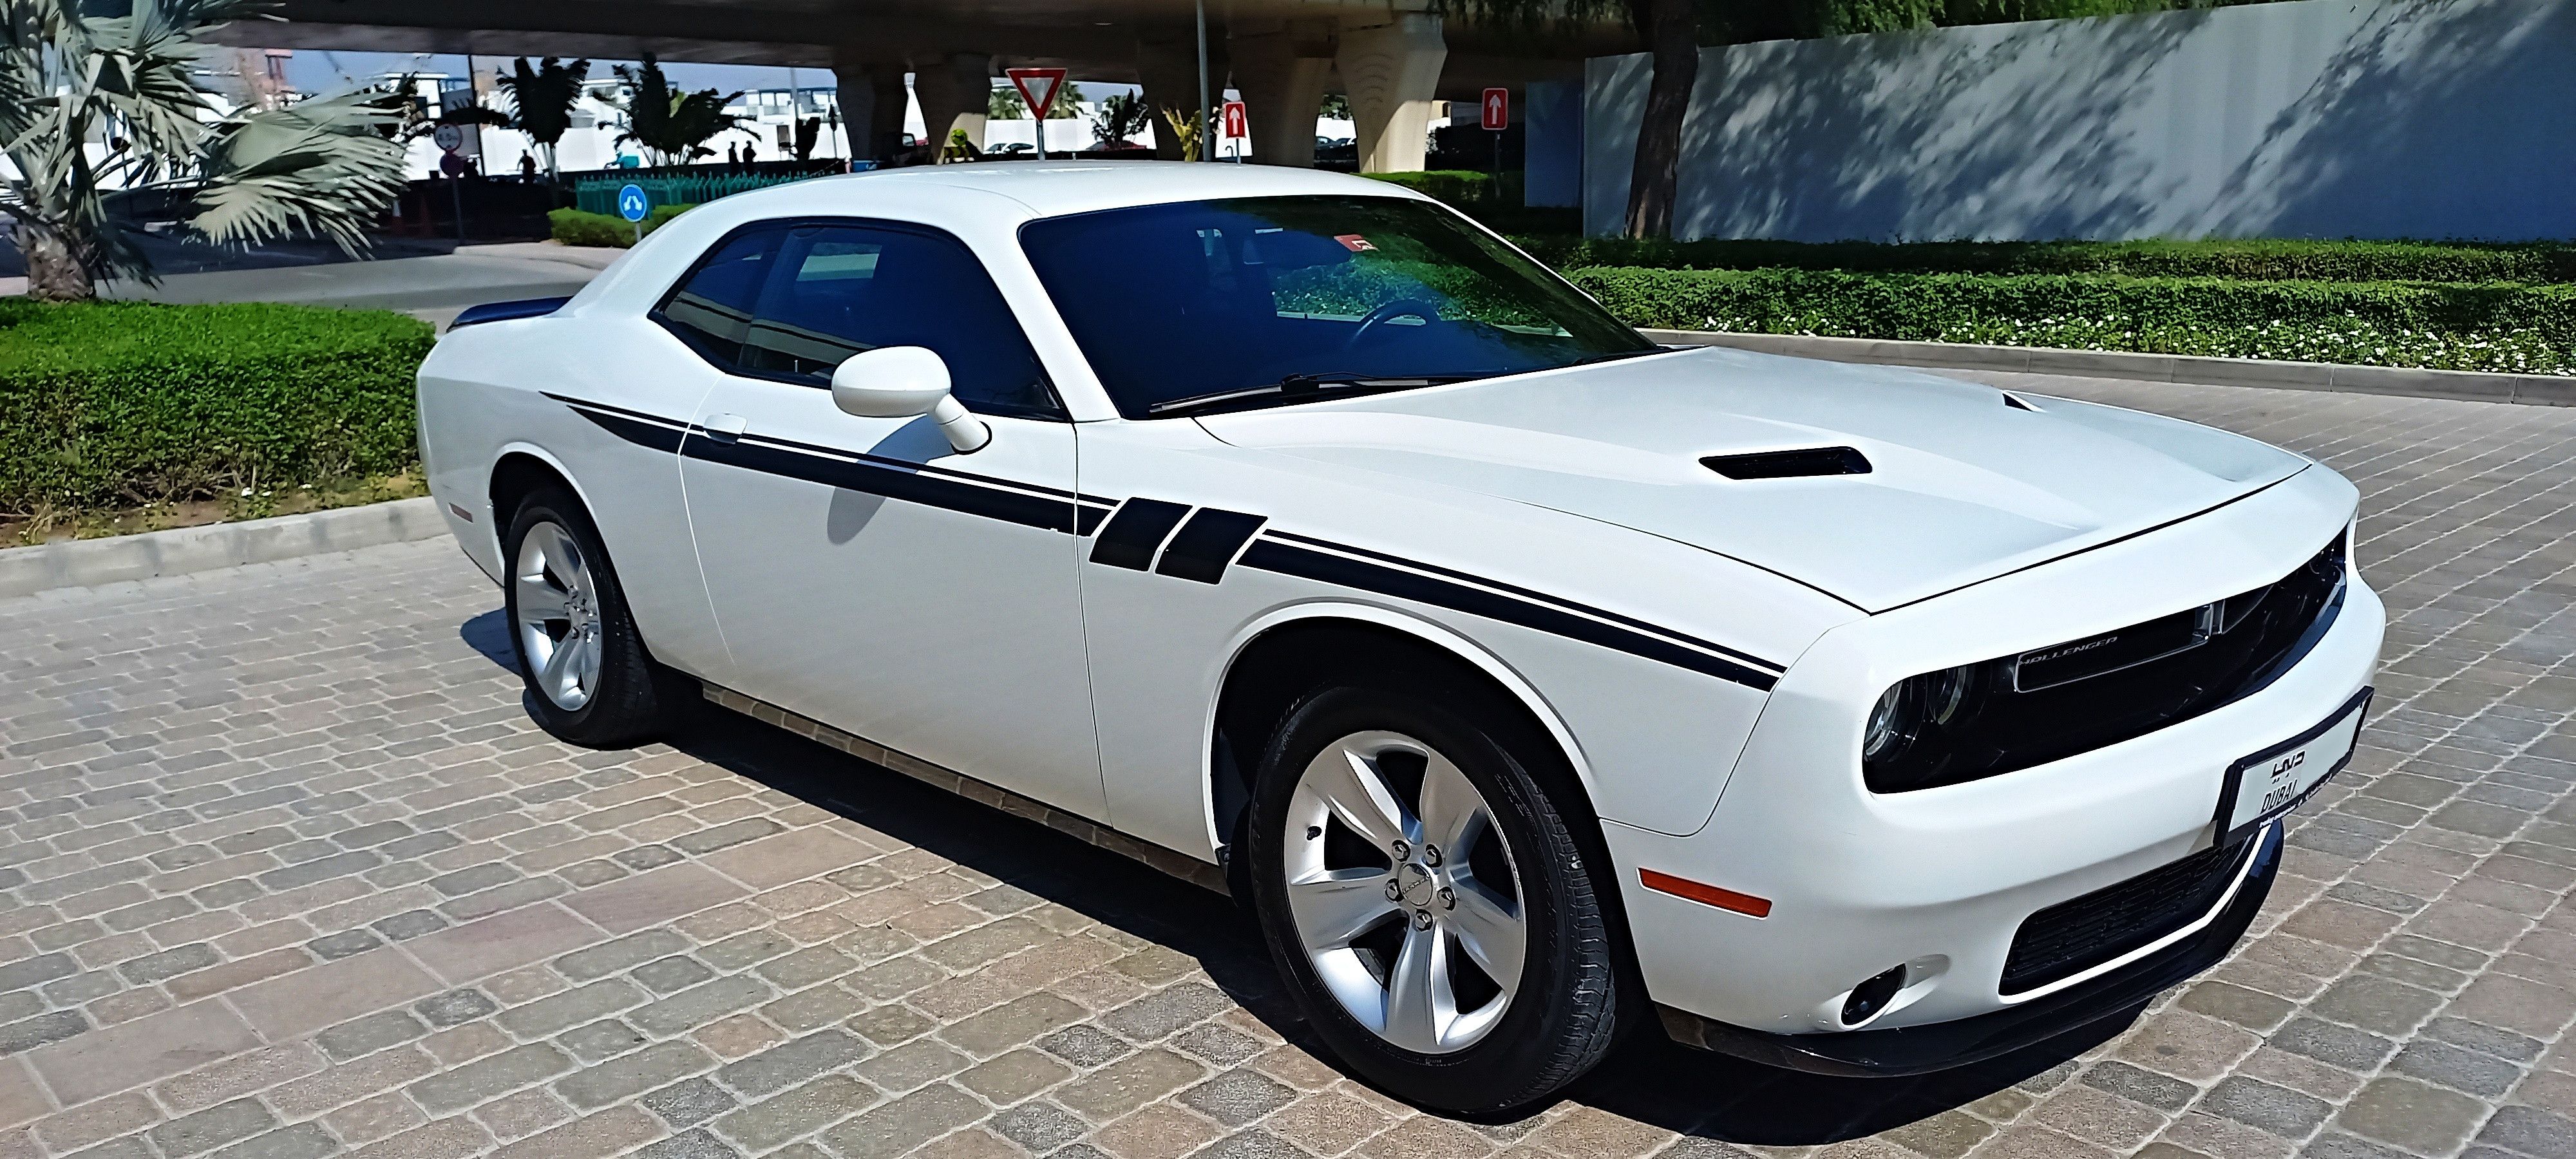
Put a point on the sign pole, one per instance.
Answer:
(1207, 150)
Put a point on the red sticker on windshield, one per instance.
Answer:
(1353, 242)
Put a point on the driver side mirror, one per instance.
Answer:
(892, 382)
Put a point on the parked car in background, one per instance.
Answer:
(1529, 680)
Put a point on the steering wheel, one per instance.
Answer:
(1399, 308)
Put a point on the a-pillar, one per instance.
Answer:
(1281, 72)
(1168, 67)
(1391, 68)
(872, 100)
(955, 91)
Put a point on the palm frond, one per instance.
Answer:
(320, 168)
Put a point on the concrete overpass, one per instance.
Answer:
(1392, 57)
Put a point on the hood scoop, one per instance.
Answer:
(1799, 464)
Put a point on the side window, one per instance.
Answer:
(712, 309)
(841, 289)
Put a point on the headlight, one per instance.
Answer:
(1917, 708)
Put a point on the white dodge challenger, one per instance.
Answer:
(1531, 680)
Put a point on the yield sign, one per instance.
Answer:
(1038, 86)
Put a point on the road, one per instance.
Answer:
(288, 872)
(432, 285)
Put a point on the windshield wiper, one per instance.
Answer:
(1298, 386)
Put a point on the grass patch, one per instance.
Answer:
(56, 525)
(112, 407)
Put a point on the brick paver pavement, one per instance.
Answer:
(288, 872)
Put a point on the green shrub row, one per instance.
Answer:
(580, 227)
(114, 404)
(2290, 261)
(1465, 189)
(2513, 329)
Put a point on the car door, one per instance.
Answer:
(864, 573)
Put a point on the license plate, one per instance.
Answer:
(2263, 787)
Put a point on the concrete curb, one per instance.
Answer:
(82, 563)
(2531, 389)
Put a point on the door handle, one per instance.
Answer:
(726, 427)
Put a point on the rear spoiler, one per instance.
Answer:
(504, 311)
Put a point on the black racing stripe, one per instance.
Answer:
(1286, 559)
(1087, 520)
(1541, 597)
(910, 486)
(586, 404)
(656, 435)
(1133, 534)
(881, 460)
(1206, 542)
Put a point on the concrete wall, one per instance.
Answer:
(2315, 118)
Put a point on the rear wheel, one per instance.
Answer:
(1428, 907)
(589, 678)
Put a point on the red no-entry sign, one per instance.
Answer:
(1498, 109)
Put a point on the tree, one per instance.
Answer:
(74, 73)
(808, 130)
(1118, 117)
(671, 125)
(541, 101)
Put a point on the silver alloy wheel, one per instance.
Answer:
(558, 610)
(1439, 921)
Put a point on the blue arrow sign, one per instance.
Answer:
(632, 204)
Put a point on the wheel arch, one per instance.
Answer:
(1281, 657)
(518, 471)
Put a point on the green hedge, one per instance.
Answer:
(576, 227)
(1466, 189)
(2309, 261)
(119, 404)
(2491, 327)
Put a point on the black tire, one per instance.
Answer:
(635, 699)
(1565, 1014)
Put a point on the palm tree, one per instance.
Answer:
(672, 125)
(541, 101)
(1118, 117)
(71, 75)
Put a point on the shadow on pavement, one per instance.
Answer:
(1647, 1078)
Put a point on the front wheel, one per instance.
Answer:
(1432, 915)
(589, 678)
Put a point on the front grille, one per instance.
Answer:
(2076, 935)
(2055, 702)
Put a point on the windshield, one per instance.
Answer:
(1210, 298)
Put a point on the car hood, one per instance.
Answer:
(1963, 486)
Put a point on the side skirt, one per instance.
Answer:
(1180, 865)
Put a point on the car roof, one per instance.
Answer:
(1055, 188)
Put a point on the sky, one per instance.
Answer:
(322, 72)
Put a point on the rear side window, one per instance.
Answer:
(712, 309)
(823, 292)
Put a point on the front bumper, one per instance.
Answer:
(1941, 1045)
(1854, 884)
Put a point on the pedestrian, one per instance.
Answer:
(527, 166)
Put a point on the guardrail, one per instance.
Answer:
(597, 192)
